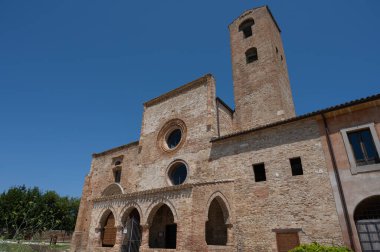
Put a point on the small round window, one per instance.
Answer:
(174, 138)
(177, 173)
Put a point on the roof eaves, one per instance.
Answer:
(178, 90)
(264, 6)
(301, 117)
(244, 12)
(115, 149)
(225, 105)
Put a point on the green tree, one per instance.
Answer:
(25, 212)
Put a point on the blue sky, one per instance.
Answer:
(74, 74)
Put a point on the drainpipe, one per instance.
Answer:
(339, 183)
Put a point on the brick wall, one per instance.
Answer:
(261, 89)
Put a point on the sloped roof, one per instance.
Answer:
(297, 118)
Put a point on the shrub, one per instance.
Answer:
(315, 247)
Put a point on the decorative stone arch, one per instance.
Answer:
(127, 209)
(223, 202)
(102, 219)
(154, 206)
(113, 189)
(161, 225)
(103, 216)
(218, 225)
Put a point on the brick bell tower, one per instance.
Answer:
(261, 83)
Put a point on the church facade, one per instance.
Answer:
(204, 177)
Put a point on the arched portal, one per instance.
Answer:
(216, 228)
(112, 189)
(163, 230)
(367, 220)
(108, 231)
(131, 232)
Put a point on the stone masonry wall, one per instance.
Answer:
(225, 120)
(196, 108)
(261, 88)
(282, 201)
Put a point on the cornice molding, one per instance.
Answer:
(160, 190)
(177, 91)
(125, 146)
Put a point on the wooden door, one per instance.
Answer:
(287, 241)
(109, 232)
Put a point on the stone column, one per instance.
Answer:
(119, 235)
(230, 235)
(145, 237)
(98, 237)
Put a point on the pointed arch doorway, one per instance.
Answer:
(108, 235)
(216, 228)
(163, 230)
(131, 239)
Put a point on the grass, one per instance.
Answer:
(14, 247)
(60, 246)
(19, 247)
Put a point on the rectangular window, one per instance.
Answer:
(117, 174)
(296, 165)
(363, 147)
(247, 32)
(259, 171)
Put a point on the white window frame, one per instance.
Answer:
(355, 169)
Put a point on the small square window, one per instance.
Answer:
(296, 165)
(246, 27)
(117, 175)
(259, 171)
(251, 55)
(247, 32)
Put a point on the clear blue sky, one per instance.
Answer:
(74, 74)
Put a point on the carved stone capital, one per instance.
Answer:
(145, 227)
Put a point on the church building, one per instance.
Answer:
(205, 177)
